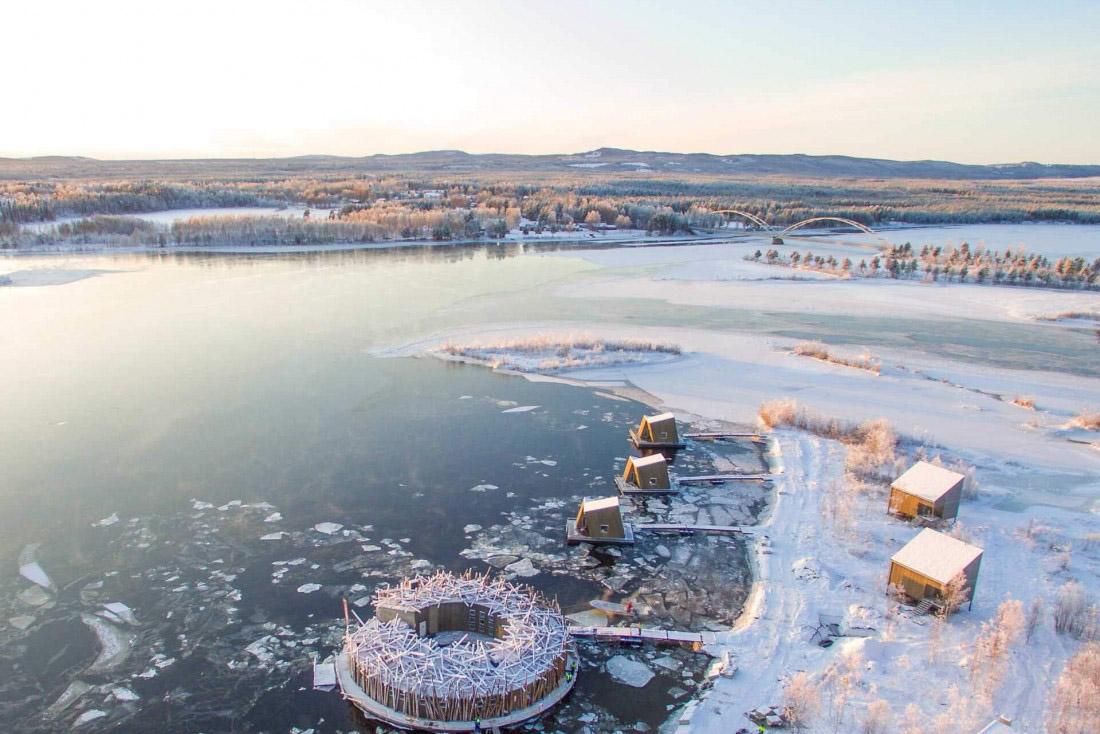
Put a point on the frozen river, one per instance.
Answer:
(166, 413)
(210, 442)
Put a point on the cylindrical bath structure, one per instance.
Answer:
(445, 651)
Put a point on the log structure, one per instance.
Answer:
(444, 651)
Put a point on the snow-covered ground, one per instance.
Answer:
(170, 216)
(1035, 513)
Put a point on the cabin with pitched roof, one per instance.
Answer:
(599, 521)
(657, 432)
(926, 491)
(925, 567)
(645, 475)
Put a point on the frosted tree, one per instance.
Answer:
(878, 718)
(955, 594)
(1075, 704)
(801, 701)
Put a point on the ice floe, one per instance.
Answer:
(520, 409)
(630, 672)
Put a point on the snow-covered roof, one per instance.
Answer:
(927, 481)
(936, 555)
(602, 503)
(647, 460)
(660, 417)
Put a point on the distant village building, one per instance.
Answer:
(929, 563)
(927, 491)
(599, 521)
(657, 432)
(645, 475)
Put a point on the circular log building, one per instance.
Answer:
(445, 651)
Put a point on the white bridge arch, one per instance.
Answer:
(812, 220)
(752, 218)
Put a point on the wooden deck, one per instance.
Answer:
(717, 435)
(668, 528)
(720, 478)
(626, 487)
(641, 634)
(642, 444)
(572, 537)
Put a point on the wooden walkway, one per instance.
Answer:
(718, 478)
(724, 434)
(720, 529)
(641, 634)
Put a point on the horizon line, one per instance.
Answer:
(458, 151)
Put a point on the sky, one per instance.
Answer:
(974, 82)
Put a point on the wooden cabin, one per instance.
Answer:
(599, 521)
(926, 491)
(928, 563)
(645, 475)
(657, 432)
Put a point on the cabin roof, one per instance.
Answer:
(643, 461)
(936, 555)
(602, 503)
(660, 418)
(927, 481)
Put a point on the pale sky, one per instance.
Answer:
(975, 82)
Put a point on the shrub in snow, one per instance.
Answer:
(1075, 614)
(878, 718)
(1075, 705)
(801, 701)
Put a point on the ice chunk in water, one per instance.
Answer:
(630, 672)
(89, 716)
(308, 588)
(121, 611)
(328, 528)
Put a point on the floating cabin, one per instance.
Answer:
(448, 653)
(599, 521)
(645, 475)
(926, 491)
(928, 563)
(657, 432)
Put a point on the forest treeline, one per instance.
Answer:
(549, 201)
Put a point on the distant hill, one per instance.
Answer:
(602, 161)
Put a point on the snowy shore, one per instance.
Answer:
(1034, 514)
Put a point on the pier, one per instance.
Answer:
(720, 478)
(674, 528)
(641, 635)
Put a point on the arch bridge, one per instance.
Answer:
(778, 235)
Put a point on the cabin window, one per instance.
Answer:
(605, 528)
(926, 510)
(652, 481)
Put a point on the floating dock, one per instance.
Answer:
(627, 488)
(641, 634)
(642, 443)
(721, 478)
(572, 537)
(673, 528)
(718, 435)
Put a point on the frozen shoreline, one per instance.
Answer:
(801, 573)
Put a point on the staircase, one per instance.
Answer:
(926, 606)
